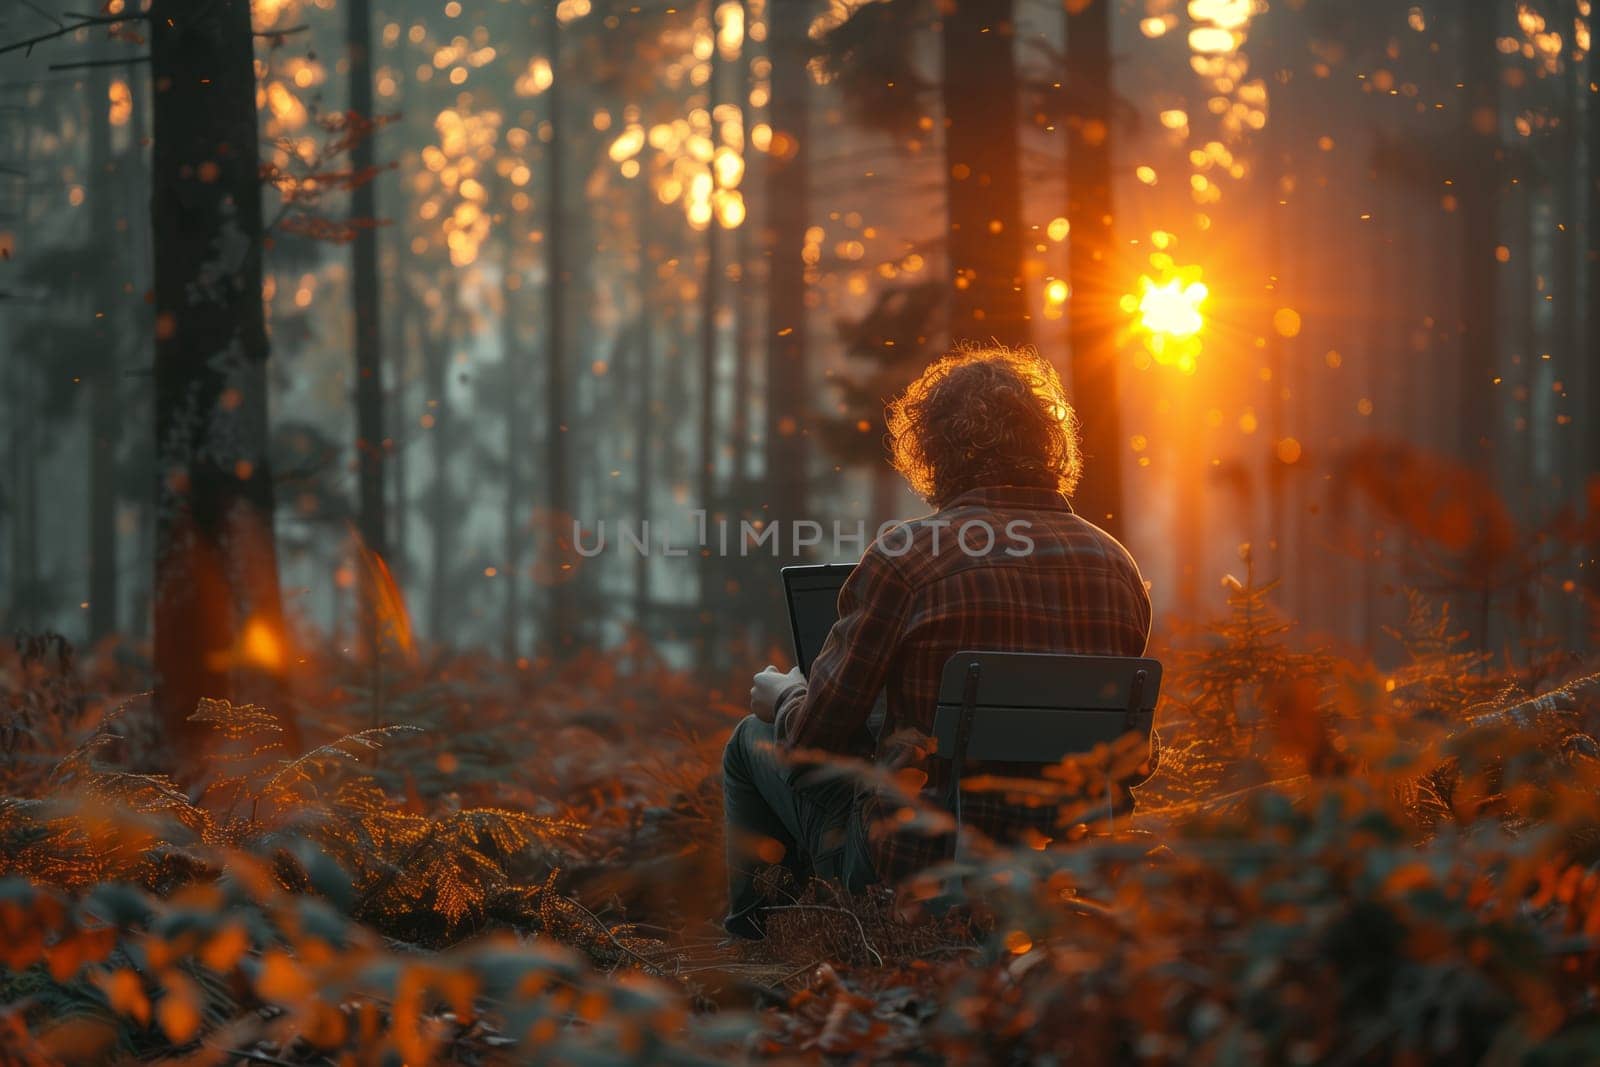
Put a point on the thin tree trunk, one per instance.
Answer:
(788, 187)
(413, 332)
(216, 569)
(367, 294)
(710, 303)
(739, 428)
(105, 415)
(136, 186)
(1587, 422)
(644, 414)
(24, 502)
(516, 427)
(1275, 164)
(441, 504)
(1479, 186)
(1479, 202)
(1092, 312)
(982, 178)
(1378, 358)
(559, 496)
(1189, 535)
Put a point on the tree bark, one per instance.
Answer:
(710, 568)
(788, 186)
(22, 497)
(371, 447)
(1478, 187)
(1587, 421)
(136, 188)
(1481, 403)
(1092, 310)
(982, 178)
(644, 412)
(441, 502)
(513, 519)
(218, 611)
(105, 415)
(559, 495)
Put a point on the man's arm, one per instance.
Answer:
(829, 711)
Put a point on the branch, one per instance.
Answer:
(1566, 700)
(26, 45)
(279, 35)
(41, 12)
(99, 63)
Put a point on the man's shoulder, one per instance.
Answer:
(966, 534)
(959, 536)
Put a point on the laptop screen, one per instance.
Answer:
(813, 594)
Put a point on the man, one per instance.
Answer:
(987, 437)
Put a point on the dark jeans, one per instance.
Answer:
(774, 815)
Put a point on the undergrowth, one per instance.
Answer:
(483, 862)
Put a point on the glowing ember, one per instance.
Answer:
(260, 645)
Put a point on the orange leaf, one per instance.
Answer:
(281, 979)
(178, 1011)
(224, 949)
(125, 993)
(1408, 877)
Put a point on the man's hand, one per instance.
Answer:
(768, 687)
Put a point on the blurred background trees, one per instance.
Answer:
(527, 262)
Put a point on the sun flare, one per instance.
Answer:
(1166, 313)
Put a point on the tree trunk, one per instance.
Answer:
(1190, 528)
(1587, 422)
(413, 334)
(1092, 311)
(710, 567)
(441, 502)
(513, 519)
(644, 413)
(136, 187)
(1478, 189)
(559, 496)
(366, 293)
(788, 189)
(22, 501)
(739, 417)
(105, 414)
(218, 611)
(23, 493)
(982, 178)
(1478, 202)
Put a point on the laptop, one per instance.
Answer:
(813, 595)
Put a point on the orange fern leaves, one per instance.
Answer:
(392, 620)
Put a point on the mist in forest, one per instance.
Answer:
(408, 408)
(528, 268)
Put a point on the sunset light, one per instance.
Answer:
(1167, 316)
(544, 531)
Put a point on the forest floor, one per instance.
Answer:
(476, 862)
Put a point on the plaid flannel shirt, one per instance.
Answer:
(920, 595)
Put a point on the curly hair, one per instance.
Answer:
(984, 416)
